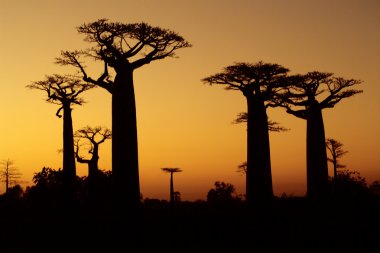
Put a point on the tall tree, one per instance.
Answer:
(336, 150)
(64, 90)
(259, 83)
(9, 173)
(171, 171)
(300, 100)
(124, 48)
(93, 137)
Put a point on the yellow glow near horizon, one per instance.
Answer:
(182, 122)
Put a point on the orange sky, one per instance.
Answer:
(182, 122)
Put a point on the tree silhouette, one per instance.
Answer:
(94, 137)
(223, 193)
(124, 48)
(302, 92)
(171, 171)
(64, 91)
(9, 173)
(259, 83)
(336, 150)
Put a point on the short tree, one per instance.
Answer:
(9, 174)
(93, 137)
(222, 193)
(171, 171)
(336, 151)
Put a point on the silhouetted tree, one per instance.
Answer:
(171, 171)
(336, 150)
(222, 193)
(94, 137)
(64, 91)
(8, 173)
(349, 183)
(259, 83)
(48, 187)
(124, 48)
(302, 92)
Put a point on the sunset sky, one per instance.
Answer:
(181, 121)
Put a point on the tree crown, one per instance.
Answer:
(260, 79)
(122, 46)
(63, 90)
(304, 90)
(171, 170)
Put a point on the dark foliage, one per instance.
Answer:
(223, 193)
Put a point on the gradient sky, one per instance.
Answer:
(181, 121)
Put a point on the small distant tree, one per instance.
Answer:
(93, 137)
(9, 174)
(336, 150)
(64, 91)
(222, 193)
(171, 171)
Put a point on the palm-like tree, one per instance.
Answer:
(171, 171)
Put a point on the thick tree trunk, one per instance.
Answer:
(171, 188)
(259, 177)
(93, 163)
(317, 170)
(125, 171)
(69, 170)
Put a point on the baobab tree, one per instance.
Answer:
(259, 83)
(300, 99)
(123, 48)
(9, 174)
(64, 91)
(336, 150)
(171, 171)
(93, 137)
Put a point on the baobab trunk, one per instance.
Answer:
(124, 143)
(171, 188)
(68, 145)
(93, 163)
(317, 171)
(259, 177)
